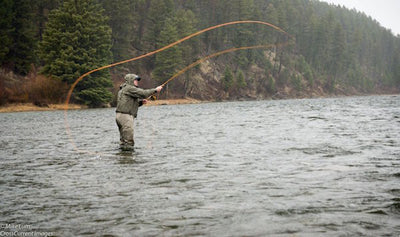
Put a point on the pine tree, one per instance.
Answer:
(19, 35)
(244, 34)
(6, 28)
(21, 26)
(167, 62)
(271, 16)
(338, 50)
(122, 21)
(186, 22)
(228, 80)
(241, 82)
(77, 39)
(395, 67)
(42, 10)
(158, 13)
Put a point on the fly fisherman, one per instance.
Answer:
(130, 98)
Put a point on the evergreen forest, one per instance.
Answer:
(47, 44)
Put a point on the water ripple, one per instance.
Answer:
(311, 167)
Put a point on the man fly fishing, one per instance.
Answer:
(130, 98)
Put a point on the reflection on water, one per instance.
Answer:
(319, 167)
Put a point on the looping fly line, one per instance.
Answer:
(218, 54)
(177, 74)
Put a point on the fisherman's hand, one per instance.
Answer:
(159, 88)
(144, 101)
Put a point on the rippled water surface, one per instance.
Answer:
(312, 167)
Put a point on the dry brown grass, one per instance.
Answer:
(22, 107)
(173, 102)
(32, 88)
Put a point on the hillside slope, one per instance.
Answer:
(334, 50)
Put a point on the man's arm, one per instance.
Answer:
(140, 93)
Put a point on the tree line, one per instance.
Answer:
(335, 47)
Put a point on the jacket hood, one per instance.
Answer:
(122, 86)
(129, 78)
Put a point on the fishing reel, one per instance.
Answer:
(153, 97)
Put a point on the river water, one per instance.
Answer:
(309, 167)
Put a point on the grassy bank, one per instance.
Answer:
(22, 107)
(173, 102)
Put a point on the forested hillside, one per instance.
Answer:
(47, 44)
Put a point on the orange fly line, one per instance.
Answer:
(177, 74)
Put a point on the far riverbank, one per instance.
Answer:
(25, 107)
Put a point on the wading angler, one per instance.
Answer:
(130, 98)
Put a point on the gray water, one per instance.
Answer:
(310, 167)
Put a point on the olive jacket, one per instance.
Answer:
(131, 97)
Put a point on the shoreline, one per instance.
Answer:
(173, 102)
(30, 107)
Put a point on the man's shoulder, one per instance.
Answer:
(130, 88)
(132, 91)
